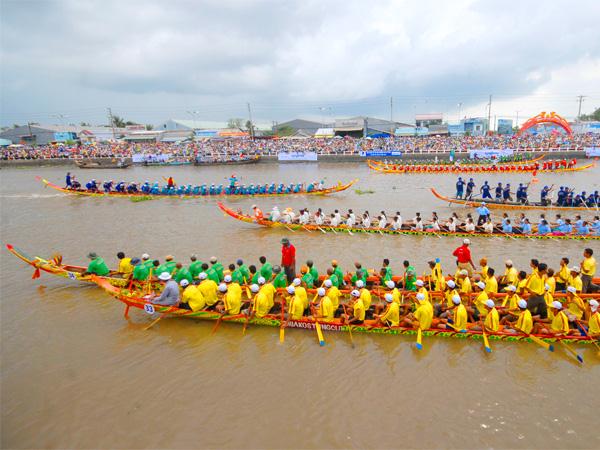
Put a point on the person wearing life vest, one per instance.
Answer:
(258, 214)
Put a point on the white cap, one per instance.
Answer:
(390, 284)
(261, 280)
(594, 305)
(213, 259)
(165, 276)
(296, 281)
(254, 288)
(327, 283)
(456, 299)
(480, 284)
(145, 256)
(253, 206)
(202, 275)
(321, 292)
(489, 303)
(522, 303)
(451, 283)
(464, 272)
(291, 289)
(355, 293)
(227, 279)
(508, 262)
(574, 269)
(556, 304)
(222, 287)
(547, 287)
(184, 282)
(360, 284)
(420, 297)
(511, 288)
(419, 283)
(389, 298)
(572, 289)
(466, 242)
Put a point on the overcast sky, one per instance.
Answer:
(154, 60)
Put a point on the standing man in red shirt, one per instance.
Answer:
(463, 257)
(288, 259)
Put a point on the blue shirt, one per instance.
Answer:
(583, 229)
(565, 228)
(526, 228)
(507, 228)
(483, 211)
(543, 229)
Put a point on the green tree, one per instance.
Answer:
(149, 127)
(594, 116)
(235, 123)
(118, 122)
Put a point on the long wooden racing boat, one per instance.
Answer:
(131, 300)
(229, 162)
(470, 163)
(388, 231)
(98, 164)
(326, 191)
(441, 169)
(492, 204)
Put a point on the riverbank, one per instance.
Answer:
(273, 159)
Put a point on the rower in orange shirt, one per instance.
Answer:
(258, 214)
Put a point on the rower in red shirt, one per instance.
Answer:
(288, 259)
(258, 214)
(463, 257)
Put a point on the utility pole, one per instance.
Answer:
(112, 122)
(489, 112)
(580, 97)
(251, 124)
(391, 116)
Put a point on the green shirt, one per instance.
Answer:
(184, 273)
(314, 273)
(266, 271)
(363, 277)
(411, 278)
(195, 268)
(98, 266)
(140, 272)
(170, 265)
(338, 272)
(237, 276)
(245, 272)
(160, 269)
(211, 274)
(308, 279)
(148, 264)
(280, 280)
(218, 268)
(335, 280)
(256, 277)
(388, 274)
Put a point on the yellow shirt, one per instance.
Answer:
(484, 275)
(465, 286)
(359, 310)
(563, 275)
(125, 266)
(491, 285)
(551, 281)
(269, 290)
(548, 298)
(302, 295)
(576, 283)
(535, 283)
(365, 296)
(424, 292)
(576, 307)
(208, 288)
(510, 275)
(560, 323)
(391, 316)
(449, 295)
(296, 307)
(588, 266)
(396, 298)
(326, 310)
(233, 299)
(480, 300)
(261, 304)
(492, 321)
(193, 297)
(460, 317)
(511, 300)
(424, 314)
(437, 277)
(521, 286)
(594, 324)
(525, 322)
(334, 295)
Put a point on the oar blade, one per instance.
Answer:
(281, 334)
(486, 343)
(419, 344)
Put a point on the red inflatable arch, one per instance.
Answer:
(544, 117)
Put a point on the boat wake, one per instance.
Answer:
(31, 196)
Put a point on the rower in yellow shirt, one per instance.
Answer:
(524, 322)
(511, 298)
(464, 282)
(575, 279)
(422, 289)
(357, 316)
(232, 300)
(510, 274)
(449, 293)
(534, 284)
(492, 318)
(261, 305)
(564, 275)
(483, 273)
(333, 293)
(594, 321)
(480, 300)
(191, 298)
(391, 316)
(268, 289)
(588, 270)
(301, 292)
(125, 266)
(548, 298)
(437, 280)
(295, 304)
(559, 324)
(551, 281)
(574, 303)
(491, 284)
(422, 317)
(325, 309)
(208, 288)
(459, 316)
(392, 289)
(365, 294)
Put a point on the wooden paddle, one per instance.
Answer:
(159, 317)
(214, 330)
(419, 344)
(589, 337)
(283, 322)
(572, 352)
(486, 343)
(536, 339)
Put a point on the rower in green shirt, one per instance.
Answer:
(146, 261)
(333, 277)
(97, 265)
(169, 265)
(245, 271)
(360, 274)
(195, 267)
(266, 270)
(410, 277)
(313, 271)
(183, 274)
(338, 272)
(386, 271)
(308, 280)
(237, 275)
(217, 267)
(211, 273)
(140, 271)
(280, 280)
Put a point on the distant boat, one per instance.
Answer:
(167, 163)
(217, 162)
(101, 164)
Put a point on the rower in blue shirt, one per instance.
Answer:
(107, 186)
(498, 191)
(561, 196)
(596, 226)
(583, 229)
(544, 200)
(484, 213)
(566, 227)
(544, 228)
(470, 187)
(578, 221)
(220, 189)
(91, 186)
(68, 184)
(506, 193)
(460, 185)
(485, 191)
(526, 227)
(120, 187)
(507, 227)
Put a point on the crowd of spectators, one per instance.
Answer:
(234, 147)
